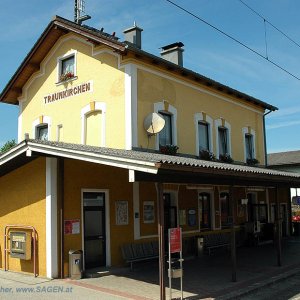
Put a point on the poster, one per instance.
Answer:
(121, 212)
(149, 215)
(72, 226)
(192, 217)
(182, 217)
(175, 240)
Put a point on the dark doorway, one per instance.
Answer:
(94, 229)
(205, 211)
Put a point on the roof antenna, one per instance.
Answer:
(79, 12)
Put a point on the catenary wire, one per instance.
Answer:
(234, 39)
(267, 21)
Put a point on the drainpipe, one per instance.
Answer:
(265, 139)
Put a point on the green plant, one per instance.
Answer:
(206, 155)
(168, 149)
(66, 76)
(252, 161)
(225, 158)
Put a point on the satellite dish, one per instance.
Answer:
(154, 123)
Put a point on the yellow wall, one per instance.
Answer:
(81, 175)
(22, 196)
(153, 88)
(108, 87)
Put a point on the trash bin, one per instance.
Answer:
(200, 246)
(296, 227)
(75, 264)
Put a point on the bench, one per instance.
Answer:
(216, 240)
(136, 252)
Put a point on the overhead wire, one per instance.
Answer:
(234, 39)
(267, 21)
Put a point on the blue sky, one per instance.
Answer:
(206, 51)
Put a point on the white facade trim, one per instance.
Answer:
(51, 218)
(160, 106)
(36, 123)
(107, 223)
(136, 210)
(20, 137)
(219, 123)
(245, 130)
(99, 106)
(195, 87)
(130, 106)
(198, 117)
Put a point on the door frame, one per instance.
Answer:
(107, 223)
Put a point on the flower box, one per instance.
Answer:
(67, 76)
(168, 149)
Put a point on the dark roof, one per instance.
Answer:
(60, 26)
(155, 164)
(284, 158)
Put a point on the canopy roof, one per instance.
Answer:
(148, 166)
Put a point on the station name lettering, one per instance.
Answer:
(73, 91)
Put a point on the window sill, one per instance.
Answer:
(66, 81)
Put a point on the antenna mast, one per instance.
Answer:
(79, 12)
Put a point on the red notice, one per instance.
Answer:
(175, 240)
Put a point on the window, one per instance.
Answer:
(223, 140)
(67, 68)
(205, 211)
(225, 209)
(42, 132)
(203, 136)
(249, 146)
(165, 136)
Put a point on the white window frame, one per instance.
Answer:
(199, 117)
(59, 65)
(161, 106)
(99, 107)
(245, 131)
(223, 123)
(37, 122)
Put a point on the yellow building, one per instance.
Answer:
(86, 173)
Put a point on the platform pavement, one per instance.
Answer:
(204, 278)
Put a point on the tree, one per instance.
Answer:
(7, 146)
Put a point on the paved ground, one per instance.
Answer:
(204, 278)
(285, 289)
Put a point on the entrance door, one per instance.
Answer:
(94, 229)
(205, 216)
(170, 216)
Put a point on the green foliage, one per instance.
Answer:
(226, 158)
(169, 149)
(7, 146)
(207, 155)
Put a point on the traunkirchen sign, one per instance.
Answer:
(69, 92)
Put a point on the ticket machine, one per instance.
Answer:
(20, 244)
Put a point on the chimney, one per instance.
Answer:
(173, 53)
(133, 35)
